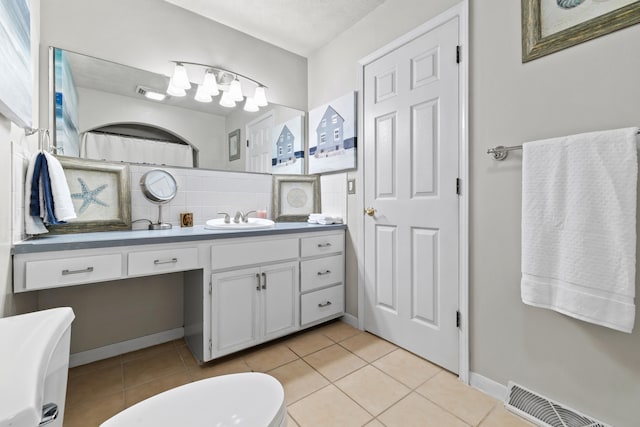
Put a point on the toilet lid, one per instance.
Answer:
(247, 399)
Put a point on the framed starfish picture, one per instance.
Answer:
(100, 192)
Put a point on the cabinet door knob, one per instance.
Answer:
(325, 304)
(264, 280)
(84, 270)
(258, 279)
(322, 273)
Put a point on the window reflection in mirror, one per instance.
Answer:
(99, 110)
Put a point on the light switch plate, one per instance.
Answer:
(351, 186)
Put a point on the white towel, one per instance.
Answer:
(62, 203)
(32, 224)
(579, 226)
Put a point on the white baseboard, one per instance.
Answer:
(350, 319)
(84, 357)
(491, 387)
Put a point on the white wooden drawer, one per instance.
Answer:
(320, 304)
(321, 272)
(322, 245)
(162, 261)
(72, 271)
(253, 252)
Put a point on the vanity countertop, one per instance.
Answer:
(106, 239)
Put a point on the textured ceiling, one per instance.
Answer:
(299, 26)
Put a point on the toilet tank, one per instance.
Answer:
(34, 362)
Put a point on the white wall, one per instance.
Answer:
(205, 131)
(588, 87)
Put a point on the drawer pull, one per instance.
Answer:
(84, 270)
(258, 279)
(167, 261)
(326, 304)
(323, 273)
(324, 245)
(264, 280)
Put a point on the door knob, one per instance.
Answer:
(370, 211)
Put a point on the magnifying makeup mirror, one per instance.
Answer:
(159, 187)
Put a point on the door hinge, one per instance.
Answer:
(458, 54)
(458, 186)
(247, 143)
(210, 288)
(457, 319)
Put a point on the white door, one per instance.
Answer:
(410, 178)
(280, 300)
(259, 134)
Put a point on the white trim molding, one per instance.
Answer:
(100, 353)
(461, 11)
(488, 386)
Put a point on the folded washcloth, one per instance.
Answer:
(579, 226)
(63, 205)
(324, 219)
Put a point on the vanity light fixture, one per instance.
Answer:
(211, 81)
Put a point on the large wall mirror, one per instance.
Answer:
(106, 111)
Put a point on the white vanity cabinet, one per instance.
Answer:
(253, 305)
(321, 278)
(254, 292)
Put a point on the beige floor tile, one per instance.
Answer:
(186, 356)
(334, 362)
(308, 343)
(406, 367)
(91, 367)
(338, 331)
(465, 402)
(96, 384)
(291, 422)
(143, 370)
(374, 390)
(147, 352)
(374, 423)
(368, 346)
(500, 417)
(92, 413)
(214, 369)
(328, 407)
(137, 394)
(268, 358)
(298, 380)
(415, 410)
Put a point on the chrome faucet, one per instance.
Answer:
(226, 217)
(242, 216)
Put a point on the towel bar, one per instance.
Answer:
(501, 152)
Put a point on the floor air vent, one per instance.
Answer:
(545, 412)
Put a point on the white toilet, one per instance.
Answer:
(240, 400)
(34, 364)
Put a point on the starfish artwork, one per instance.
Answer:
(88, 197)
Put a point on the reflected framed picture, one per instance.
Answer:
(101, 196)
(552, 25)
(234, 145)
(295, 197)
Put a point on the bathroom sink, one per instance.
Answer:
(254, 223)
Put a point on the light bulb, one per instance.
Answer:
(235, 90)
(250, 105)
(210, 84)
(175, 91)
(180, 79)
(202, 95)
(260, 96)
(226, 100)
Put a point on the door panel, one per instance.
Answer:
(281, 302)
(411, 164)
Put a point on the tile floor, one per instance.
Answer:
(333, 375)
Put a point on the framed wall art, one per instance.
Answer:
(100, 193)
(234, 145)
(552, 25)
(333, 136)
(295, 197)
